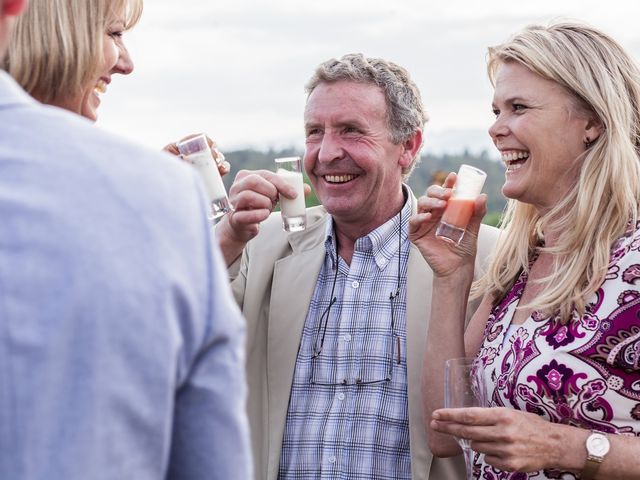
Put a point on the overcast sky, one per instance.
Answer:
(236, 69)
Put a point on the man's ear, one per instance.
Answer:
(12, 8)
(411, 147)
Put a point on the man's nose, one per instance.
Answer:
(330, 148)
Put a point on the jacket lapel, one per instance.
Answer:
(419, 279)
(294, 280)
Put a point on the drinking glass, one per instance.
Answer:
(294, 212)
(464, 387)
(196, 151)
(456, 216)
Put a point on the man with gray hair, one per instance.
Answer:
(337, 314)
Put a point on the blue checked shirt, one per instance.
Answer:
(351, 423)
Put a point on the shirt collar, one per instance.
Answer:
(382, 242)
(11, 93)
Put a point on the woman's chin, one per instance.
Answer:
(511, 192)
(90, 106)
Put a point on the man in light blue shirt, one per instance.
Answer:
(121, 349)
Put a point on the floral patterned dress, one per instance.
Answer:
(585, 374)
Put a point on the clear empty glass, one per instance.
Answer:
(469, 183)
(464, 387)
(294, 211)
(196, 151)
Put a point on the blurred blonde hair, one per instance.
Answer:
(604, 81)
(57, 45)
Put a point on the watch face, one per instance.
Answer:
(597, 445)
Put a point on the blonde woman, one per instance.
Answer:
(557, 334)
(65, 52)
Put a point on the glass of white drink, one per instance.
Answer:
(196, 151)
(294, 213)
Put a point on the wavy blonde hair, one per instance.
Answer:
(604, 81)
(57, 45)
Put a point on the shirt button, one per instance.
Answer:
(332, 459)
(347, 337)
(383, 262)
(341, 396)
(355, 284)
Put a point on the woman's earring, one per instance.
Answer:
(588, 143)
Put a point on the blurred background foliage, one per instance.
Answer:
(431, 169)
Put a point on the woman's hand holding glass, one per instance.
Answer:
(223, 165)
(444, 257)
(513, 440)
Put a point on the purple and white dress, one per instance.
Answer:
(585, 373)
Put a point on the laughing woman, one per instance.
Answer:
(557, 335)
(65, 52)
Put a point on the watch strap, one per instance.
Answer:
(591, 467)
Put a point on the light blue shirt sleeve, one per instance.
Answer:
(206, 432)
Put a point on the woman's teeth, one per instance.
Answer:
(339, 178)
(101, 87)
(514, 159)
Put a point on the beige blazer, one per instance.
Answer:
(273, 284)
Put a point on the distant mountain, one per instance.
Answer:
(431, 169)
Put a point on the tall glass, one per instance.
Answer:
(464, 387)
(196, 151)
(469, 183)
(294, 211)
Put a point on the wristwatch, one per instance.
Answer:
(597, 447)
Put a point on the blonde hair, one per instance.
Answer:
(57, 45)
(604, 81)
